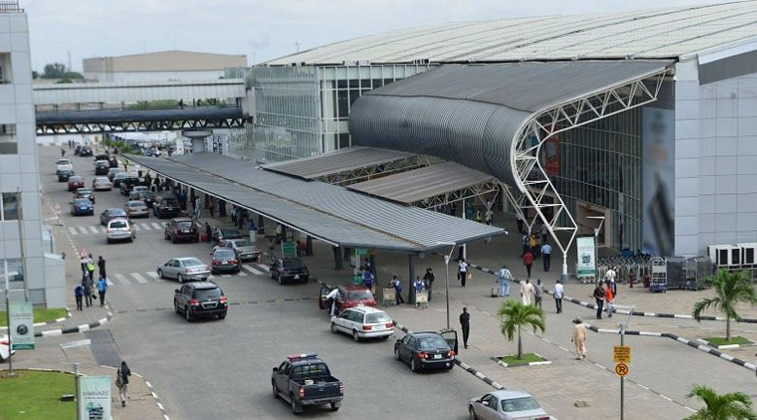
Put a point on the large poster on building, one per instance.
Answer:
(658, 177)
(94, 397)
(585, 266)
(22, 325)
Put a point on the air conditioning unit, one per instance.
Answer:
(748, 254)
(726, 255)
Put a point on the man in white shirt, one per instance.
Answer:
(527, 292)
(462, 271)
(504, 277)
(546, 252)
(610, 275)
(332, 295)
(558, 293)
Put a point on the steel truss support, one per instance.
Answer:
(472, 191)
(531, 178)
(368, 172)
(52, 129)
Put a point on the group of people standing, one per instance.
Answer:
(422, 286)
(85, 292)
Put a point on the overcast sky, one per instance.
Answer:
(260, 29)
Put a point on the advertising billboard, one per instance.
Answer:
(22, 325)
(586, 264)
(94, 397)
(658, 177)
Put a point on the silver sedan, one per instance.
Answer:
(137, 208)
(184, 269)
(506, 405)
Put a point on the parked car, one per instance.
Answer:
(243, 248)
(128, 183)
(289, 268)
(65, 174)
(305, 380)
(348, 296)
(424, 350)
(85, 151)
(101, 183)
(85, 193)
(5, 351)
(102, 167)
(184, 269)
(111, 214)
(200, 299)
(136, 208)
(118, 177)
(224, 261)
(63, 164)
(75, 182)
(113, 162)
(506, 405)
(82, 206)
(181, 229)
(221, 233)
(363, 322)
(165, 206)
(139, 194)
(77, 149)
(102, 156)
(120, 230)
(112, 173)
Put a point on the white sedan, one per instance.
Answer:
(363, 322)
(4, 347)
(506, 405)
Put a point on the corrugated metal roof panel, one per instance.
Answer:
(346, 159)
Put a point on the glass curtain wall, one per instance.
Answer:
(600, 163)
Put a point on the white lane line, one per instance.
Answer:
(145, 226)
(110, 283)
(83, 230)
(157, 226)
(103, 229)
(122, 279)
(264, 267)
(252, 270)
(93, 229)
(225, 275)
(138, 277)
(242, 274)
(72, 230)
(153, 274)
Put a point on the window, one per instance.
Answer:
(8, 141)
(9, 206)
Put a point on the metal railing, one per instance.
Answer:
(10, 6)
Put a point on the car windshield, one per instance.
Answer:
(136, 204)
(431, 342)
(168, 201)
(75, 179)
(63, 162)
(520, 404)
(81, 202)
(118, 224)
(224, 254)
(184, 225)
(376, 317)
(101, 181)
(243, 243)
(191, 262)
(293, 263)
(208, 293)
(116, 212)
(82, 191)
(230, 233)
(312, 370)
(359, 295)
(121, 175)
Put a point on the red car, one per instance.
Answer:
(349, 296)
(75, 182)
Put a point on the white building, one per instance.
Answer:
(39, 273)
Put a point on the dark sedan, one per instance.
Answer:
(181, 229)
(224, 261)
(82, 206)
(85, 193)
(289, 269)
(110, 214)
(118, 177)
(65, 174)
(85, 151)
(424, 350)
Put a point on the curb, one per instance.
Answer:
(42, 324)
(78, 328)
(624, 312)
(503, 364)
(155, 397)
(724, 346)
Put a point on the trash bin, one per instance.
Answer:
(357, 279)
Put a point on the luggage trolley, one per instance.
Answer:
(659, 279)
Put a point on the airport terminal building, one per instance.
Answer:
(646, 118)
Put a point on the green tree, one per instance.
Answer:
(730, 289)
(513, 316)
(731, 406)
(54, 71)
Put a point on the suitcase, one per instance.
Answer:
(204, 237)
(495, 292)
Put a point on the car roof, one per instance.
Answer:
(506, 394)
(83, 189)
(187, 258)
(121, 174)
(102, 178)
(204, 285)
(365, 309)
(62, 161)
(75, 177)
(118, 219)
(82, 199)
(182, 219)
(135, 202)
(352, 287)
(115, 210)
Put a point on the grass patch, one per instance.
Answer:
(512, 359)
(721, 341)
(36, 395)
(40, 315)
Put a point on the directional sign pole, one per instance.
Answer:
(622, 378)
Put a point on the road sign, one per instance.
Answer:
(622, 354)
(621, 369)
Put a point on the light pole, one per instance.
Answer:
(596, 244)
(623, 327)
(447, 257)
(69, 345)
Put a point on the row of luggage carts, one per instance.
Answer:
(657, 273)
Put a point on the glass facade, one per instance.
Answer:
(600, 163)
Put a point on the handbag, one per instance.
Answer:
(470, 276)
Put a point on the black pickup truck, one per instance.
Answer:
(304, 379)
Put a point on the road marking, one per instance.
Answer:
(122, 279)
(139, 278)
(157, 226)
(103, 229)
(252, 270)
(72, 230)
(93, 229)
(264, 267)
(225, 275)
(242, 273)
(83, 230)
(145, 226)
(153, 274)
(110, 283)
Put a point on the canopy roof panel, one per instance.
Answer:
(327, 212)
(346, 159)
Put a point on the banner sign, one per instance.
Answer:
(22, 325)
(94, 397)
(585, 266)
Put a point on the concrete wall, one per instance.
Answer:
(153, 76)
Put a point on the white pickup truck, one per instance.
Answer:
(62, 165)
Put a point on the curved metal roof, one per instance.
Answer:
(658, 33)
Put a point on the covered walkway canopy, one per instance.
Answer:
(326, 212)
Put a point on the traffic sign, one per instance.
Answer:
(622, 354)
(621, 369)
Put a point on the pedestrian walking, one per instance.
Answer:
(544, 232)
(212, 207)
(331, 297)
(479, 216)
(558, 292)
(546, 252)
(122, 382)
(489, 216)
(87, 291)
(538, 293)
(221, 208)
(397, 290)
(527, 292)
(528, 261)
(102, 287)
(519, 221)
(419, 289)
(367, 279)
(83, 263)
(610, 275)
(609, 301)
(197, 204)
(532, 245)
(504, 277)
(579, 338)
(91, 268)
(465, 325)
(62, 152)
(209, 233)
(429, 278)
(599, 297)
(101, 265)
(613, 285)
(79, 295)
(462, 273)
(525, 241)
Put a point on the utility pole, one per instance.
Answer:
(8, 317)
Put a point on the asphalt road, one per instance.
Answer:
(221, 369)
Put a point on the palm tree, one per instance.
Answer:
(731, 406)
(515, 315)
(730, 289)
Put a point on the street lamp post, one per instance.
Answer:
(596, 244)
(623, 327)
(447, 257)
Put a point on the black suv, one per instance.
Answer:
(126, 184)
(165, 207)
(85, 151)
(181, 229)
(64, 174)
(200, 299)
(102, 168)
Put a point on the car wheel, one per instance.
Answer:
(355, 336)
(176, 307)
(472, 414)
(333, 328)
(279, 279)
(396, 353)
(335, 406)
(222, 316)
(180, 278)
(187, 314)
(413, 366)
(173, 240)
(275, 390)
(160, 274)
(295, 408)
(165, 236)
(109, 241)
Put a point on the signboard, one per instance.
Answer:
(621, 354)
(22, 325)
(621, 369)
(585, 266)
(289, 249)
(94, 397)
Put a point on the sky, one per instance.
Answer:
(262, 30)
